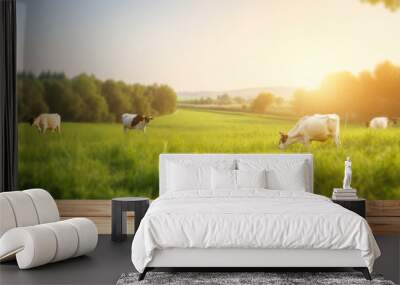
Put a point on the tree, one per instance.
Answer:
(141, 104)
(86, 98)
(239, 100)
(118, 102)
(207, 101)
(339, 91)
(354, 97)
(163, 98)
(224, 99)
(49, 75)
(262, 102)
(30, 97)
(95, 107)
(62, 99)
(387, 87)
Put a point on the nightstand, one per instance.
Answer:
(119, 207)
(356, 205)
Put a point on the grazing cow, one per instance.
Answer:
(135, 121)
(45, 122)
(381, 122)
(313, 128)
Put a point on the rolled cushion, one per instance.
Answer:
(7, 218)
(41, 244)
(23, 208)
(66, 238)
(45, 205)
(87, 234)
(33, 246)
(26, 208)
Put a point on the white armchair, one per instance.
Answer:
(31, 230)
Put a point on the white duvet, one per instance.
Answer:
(250, 219)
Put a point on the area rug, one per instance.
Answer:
(269, 278)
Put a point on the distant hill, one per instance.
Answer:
(281, 91)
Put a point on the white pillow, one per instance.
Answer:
(188, 177)
(292, 180)
(288, 174)
(224, 179)
(251, 178)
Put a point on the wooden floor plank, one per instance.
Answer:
(103, 224)
(384, 225)
(84, 208)
(383, 208)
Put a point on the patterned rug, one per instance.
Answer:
(243, 278)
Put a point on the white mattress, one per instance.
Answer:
(253, 219)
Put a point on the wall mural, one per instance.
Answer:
(105, 87)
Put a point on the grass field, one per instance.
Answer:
(98, 161)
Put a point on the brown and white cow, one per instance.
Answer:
(318, 127)
(135, 121)
(45, 122)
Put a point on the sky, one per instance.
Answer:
(198, 45)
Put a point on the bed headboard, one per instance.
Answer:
(164, 158)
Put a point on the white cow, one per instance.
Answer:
(45, 122)
(381, 122)
(313, 128)
(135, 121)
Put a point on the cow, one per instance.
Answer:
(135, 121)
(318, 127)
(381, 122)
(45, 122)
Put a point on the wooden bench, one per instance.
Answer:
(382, 215)
(99, 211)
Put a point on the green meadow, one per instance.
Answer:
(100, 161)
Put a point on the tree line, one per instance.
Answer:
(85, 98)
(259, 104)
(392, 5)
(354, 97)
(223, 99)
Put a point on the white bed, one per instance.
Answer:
(249, 227)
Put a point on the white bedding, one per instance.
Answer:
(250, 219)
